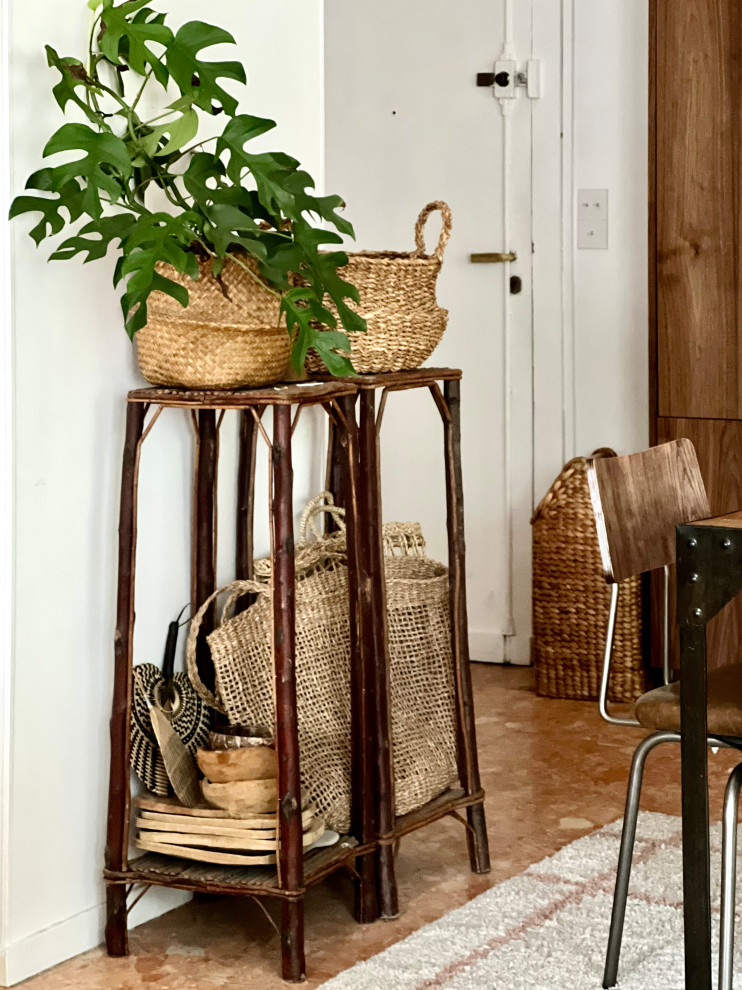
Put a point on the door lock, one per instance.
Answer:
(509, 76)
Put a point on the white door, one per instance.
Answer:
(406, 123)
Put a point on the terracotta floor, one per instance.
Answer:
(552, 770)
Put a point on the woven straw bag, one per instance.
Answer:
(398, 301)
(219, 340)
(422, 699)
(571, 599)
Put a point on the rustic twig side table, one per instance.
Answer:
(389, 828)
(295, 871)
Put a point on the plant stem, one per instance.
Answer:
(138, 97)
(91, 55)
(252, 274)
(187, 151)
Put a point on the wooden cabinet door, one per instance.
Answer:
(697, 121)
(718, 444)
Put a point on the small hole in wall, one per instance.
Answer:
(394, 113)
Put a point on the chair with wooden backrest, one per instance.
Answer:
(638, 501)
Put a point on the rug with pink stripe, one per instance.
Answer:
(547, 928)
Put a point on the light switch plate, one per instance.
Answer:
(592, 235)
(592, 204)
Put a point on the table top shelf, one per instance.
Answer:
(730, 520)
(321, 388)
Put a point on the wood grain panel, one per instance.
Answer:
(698, 168)
(638, 500)
(652, 222)
(718, 445)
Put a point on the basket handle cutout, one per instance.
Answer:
(236, 589)
(446, 224)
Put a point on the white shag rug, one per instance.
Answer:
(547, 929)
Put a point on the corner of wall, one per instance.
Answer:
(76, 935)
(6, 484)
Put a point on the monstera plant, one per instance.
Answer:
(152, 186)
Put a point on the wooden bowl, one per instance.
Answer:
(242, 798)
(222, 766)
(237, 736)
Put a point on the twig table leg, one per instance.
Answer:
(118, 794)
(245, 523)
(468, 763)
(244, 550)
(204, 576)
(347, 481)
(374, 605)
(284, 654)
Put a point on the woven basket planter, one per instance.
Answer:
(571, 599)
(218, 340)
(404, 321)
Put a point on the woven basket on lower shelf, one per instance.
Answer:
(397, 289)
(571, 599)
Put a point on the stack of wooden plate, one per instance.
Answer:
(208, 835)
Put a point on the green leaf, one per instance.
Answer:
(231, 213)
(95, 4)
(108, 229)
(126, 37)
(73, 75)
(104, 164)
(327, 343)
(198, 78)
(155, 237)
(282, 186)
(52, 220)
(180, 131)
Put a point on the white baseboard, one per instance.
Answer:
(75, 935)
(490, 646)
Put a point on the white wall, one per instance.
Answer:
(610, 296)
(73, 367)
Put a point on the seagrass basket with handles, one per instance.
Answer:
(404, 323)
(571, 599)
(422, 688)
(230, 335)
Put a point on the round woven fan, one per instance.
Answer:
(173, 695)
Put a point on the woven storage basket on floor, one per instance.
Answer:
(218, 340)
(422, 691)
(404, 321)
(571, 599)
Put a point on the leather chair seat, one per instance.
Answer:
(660, 708)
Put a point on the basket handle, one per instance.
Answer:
(446, 224)
(236, 589)
(576, 464)
(314, 510)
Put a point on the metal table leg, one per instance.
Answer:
(694, 756)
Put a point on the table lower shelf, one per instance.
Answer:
(169, 871)
(446, 803)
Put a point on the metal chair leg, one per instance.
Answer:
(628, 835)
(728, 878)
